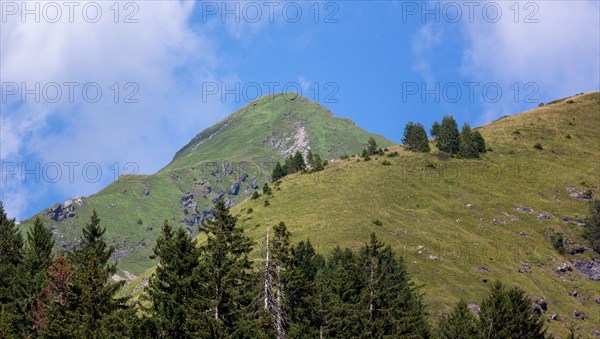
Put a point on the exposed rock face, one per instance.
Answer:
(589, 269)
(475, 308)
(287, 145)
(146, 192)
(235, 188)
(61, 212)
(580, 193)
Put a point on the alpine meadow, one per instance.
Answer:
(300, 169)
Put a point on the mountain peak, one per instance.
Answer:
(275, 126)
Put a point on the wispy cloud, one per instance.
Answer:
(150, 73)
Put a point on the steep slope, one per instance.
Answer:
(228, 160)
(460, 224)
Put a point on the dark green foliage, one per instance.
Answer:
(267, 203)
(538, 146)
(11, 245)
(345, 157)
(507, 313)
(301, 286)
(372, 146)
(448, 138)
(592, 226)
(468, 145)
(479, 142)
(377, 222)
(37, 258)
(226, 275)
(250, 210)
(558, 243)
(90, 299)
(393, 154)
(255, 195)
(371, 295)
(391, 303)
(459, 324)
(386, 163)
(435, 129)
(294, 163)
(266, 189)
(278, 172)
(172, 287)
(415, 138)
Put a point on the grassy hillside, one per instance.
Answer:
(460, 224)
(230, 160)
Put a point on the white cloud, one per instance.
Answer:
(424, 43)
(161, 54)
(560, 53)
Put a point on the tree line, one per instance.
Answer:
(467, 143)
(214, 290)
(295, 163)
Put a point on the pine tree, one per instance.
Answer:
(310, 158)
(302, 298)
(508, 314)
(372, 146)
(479, 142)
(391, 303)
(468, 147)
(91, 296)
(435, 129)
(52, 318)
(344, 317)
(173, 286)
(37, 258)
(592, 226)
(11, 246)
(459, 324)
(448, 138)
(317, 164)
(278, 172)
(299, 164)
(415, 138)
(225, 274)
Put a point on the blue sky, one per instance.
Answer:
(380, 63)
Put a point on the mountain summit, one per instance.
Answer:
(273, 127)
(228, 161)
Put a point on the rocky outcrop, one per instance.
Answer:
(589, 269)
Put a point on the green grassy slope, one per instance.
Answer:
(458, 222)
(239, 150)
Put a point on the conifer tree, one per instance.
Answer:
(460, 323)
(91, 294)
(345, 283)
(391, 303)
(448, 138)
(479, 142)
(415, 138)
(372, 146)
(508, 314)
(37, 258)
(173, 286)
(52, 318)
(225, 274)
(278, 172)
(468, 147)
(435, 129)
(11, 246)
(317, 164)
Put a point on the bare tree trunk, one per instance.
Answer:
(267, 274)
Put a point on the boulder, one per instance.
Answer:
(579, 315)
(474, 308)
